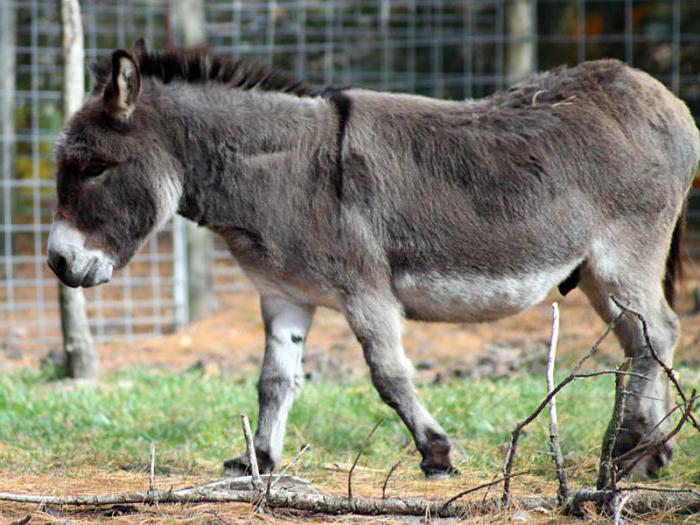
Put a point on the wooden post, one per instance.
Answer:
(190, 16)
(8, 76)
(520, 27)
(81, 362)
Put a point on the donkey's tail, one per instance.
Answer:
(674, 262)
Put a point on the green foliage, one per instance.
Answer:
(194, 421)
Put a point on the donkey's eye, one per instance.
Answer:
(93, 170)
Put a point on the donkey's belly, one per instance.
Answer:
(473, 297)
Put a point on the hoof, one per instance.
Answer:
(650, 464)
(240, 466)
(434, 471)
(436, 461)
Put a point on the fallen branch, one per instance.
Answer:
(279, 499)
(642, 500)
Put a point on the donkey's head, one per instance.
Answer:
(117, 178)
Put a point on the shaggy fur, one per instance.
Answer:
(386, 206)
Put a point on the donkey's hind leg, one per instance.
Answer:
(281, 378)
(376, 322)
(650, 398)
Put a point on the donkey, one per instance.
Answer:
(390, 206)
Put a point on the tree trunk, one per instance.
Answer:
(190, 15)
(81, 362)
(520, 27)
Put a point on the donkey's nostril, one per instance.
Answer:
(58, 263)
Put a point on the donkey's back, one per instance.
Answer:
(484, 206)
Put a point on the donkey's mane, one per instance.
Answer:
(197, 66)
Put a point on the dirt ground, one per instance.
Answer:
(230, 342)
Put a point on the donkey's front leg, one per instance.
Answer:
(376, 321)
(286, 327)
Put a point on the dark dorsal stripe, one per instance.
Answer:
(342, 104)
(196, 66)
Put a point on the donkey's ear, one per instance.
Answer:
(140, 47)
(122, 91)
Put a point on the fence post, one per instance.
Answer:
(80, 351)
(201, 301)
(7, 118)
(521, 31)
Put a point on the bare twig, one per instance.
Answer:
(271, 483)
(152, 477)
(291, 462)
(388, 477)
(357, 458)
(554, 445)
(217, 516)
(594, 348)
(644, 450)
(645, 439)
(250, 450)
(606, 469)
(488, 490)
(670, 490)
(611, 372)
(515, 434)
(619, 503)
(667, 369)
(477, 488)
(22, 521)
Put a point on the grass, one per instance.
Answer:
(47, 424)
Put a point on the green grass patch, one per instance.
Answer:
(194, 420)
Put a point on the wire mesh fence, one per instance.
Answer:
(443, 48)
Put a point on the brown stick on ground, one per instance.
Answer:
(475, 489)
(357, 458)
(22, 521)
(554, 445)
(388, 477)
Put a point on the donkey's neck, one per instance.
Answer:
(228, 140)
